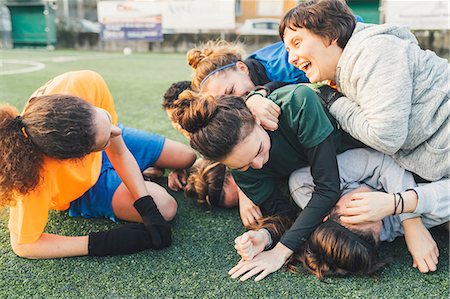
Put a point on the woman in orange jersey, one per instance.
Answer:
(67, 152)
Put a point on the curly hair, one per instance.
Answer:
(215, 124)
(172, 93)
(206, 183)
(212, 55)
(56, 126)
(330, 19)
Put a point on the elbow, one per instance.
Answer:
(23, 250)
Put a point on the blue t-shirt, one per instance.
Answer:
(274, 58)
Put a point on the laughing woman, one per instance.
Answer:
(223, 129)
(66, 152)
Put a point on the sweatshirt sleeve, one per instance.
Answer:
(377, 83)
(324, 171)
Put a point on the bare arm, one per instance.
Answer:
(50, 246)
(127, 167)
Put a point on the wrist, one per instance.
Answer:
(258, 90)
(267, 238)
(411, 224)
(411, 199)
(281, 250)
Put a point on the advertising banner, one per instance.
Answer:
(140, 20)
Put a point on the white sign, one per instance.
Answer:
(130, 20)
(425, 15)
(198, 15)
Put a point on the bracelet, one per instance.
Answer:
(396, 203)
(255, 91)
(252, 93)
(269, 244)
(403, 202)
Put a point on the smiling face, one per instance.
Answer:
(106, 131)
(252, 152)
(312, 54)
(232, 81)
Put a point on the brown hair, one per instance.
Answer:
(206, 182)
(330, 19)
(216, 124)
(57, 126)
(330, 250)
(212, 55)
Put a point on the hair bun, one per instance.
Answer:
(194, 111)
(194, 57)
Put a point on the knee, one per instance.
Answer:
(168, 207)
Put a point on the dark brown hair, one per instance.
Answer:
(333, 251)
(57, 126)
(206, 182)
(216, 124)
(329, 19)
(329, 250)
(172, 93)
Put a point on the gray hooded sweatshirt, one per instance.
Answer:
(396, 98)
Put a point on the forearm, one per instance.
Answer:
(324, 171)
(129, 171)
(384, 138)
(51, 246)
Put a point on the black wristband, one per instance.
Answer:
(158, 228)
(328, 95)
(271, 86)
(126, 239)
(256, 91)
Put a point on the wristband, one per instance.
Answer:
(256, 91)
(269, 236)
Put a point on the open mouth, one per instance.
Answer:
(304, 66)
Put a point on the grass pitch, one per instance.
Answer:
(196, 265)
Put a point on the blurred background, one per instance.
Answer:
(176, 25)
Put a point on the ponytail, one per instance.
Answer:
(21, 160)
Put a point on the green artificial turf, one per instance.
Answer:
(196, 265)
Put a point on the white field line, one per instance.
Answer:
(31, 66)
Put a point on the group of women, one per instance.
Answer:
(367, 154)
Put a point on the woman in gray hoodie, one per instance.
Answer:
(391, 95)
(395, 96)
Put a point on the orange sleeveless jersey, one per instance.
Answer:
(62, 181)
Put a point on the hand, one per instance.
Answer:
(367, 207)
(176, 180)
(264, 263)
(158, 228)
(421, 245)
(266, 111)
(248, 211)
(250, 244)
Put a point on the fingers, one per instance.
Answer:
(241, 268)
(257, 213)
(252, 272)
(269, 125)
(262, 275)
(275, 109)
